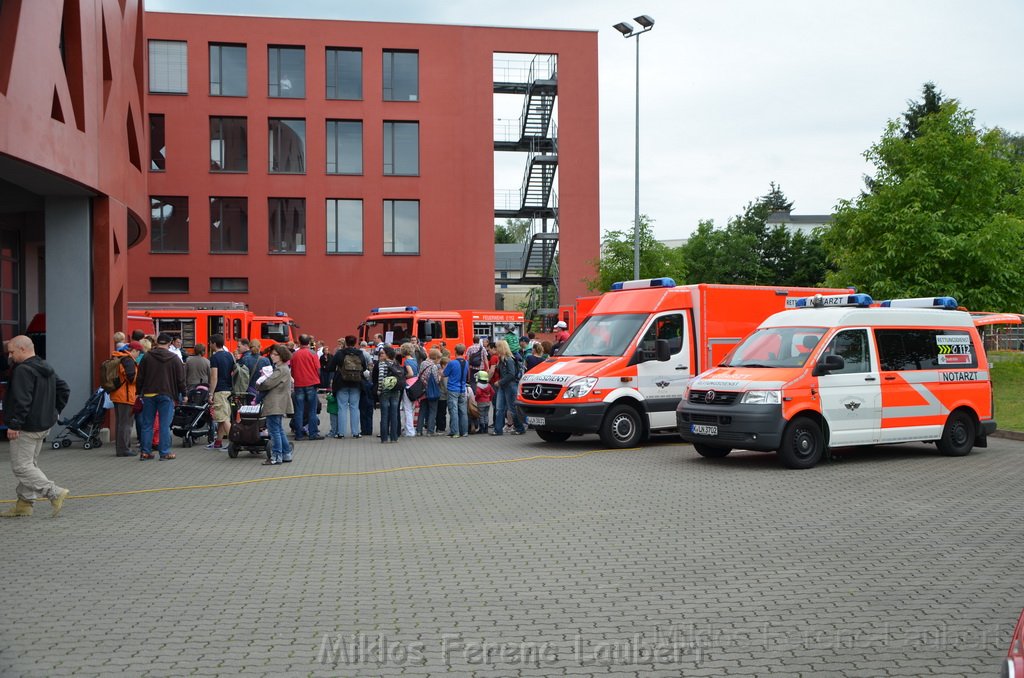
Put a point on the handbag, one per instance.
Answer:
(415, 388)
(137, 405)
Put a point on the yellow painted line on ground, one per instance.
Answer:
(349, 474)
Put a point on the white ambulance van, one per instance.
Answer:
(841, 371)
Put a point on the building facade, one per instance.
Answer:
(326, 167)
(73, 196)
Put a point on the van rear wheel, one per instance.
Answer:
(803, 444)
(958, 435)
(711, 451)
(553, 436)
(622, 427)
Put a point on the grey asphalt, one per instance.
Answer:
(647, 562)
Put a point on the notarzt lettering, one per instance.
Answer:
(959, 376)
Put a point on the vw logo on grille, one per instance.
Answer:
(709, 397)
(538, 391)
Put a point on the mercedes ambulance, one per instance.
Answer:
(841, 371)
(622, 372)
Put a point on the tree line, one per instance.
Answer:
(943, 214)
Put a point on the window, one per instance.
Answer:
(229, 145)
(907, 350)
(669, 327)
(287, 226)
(157, 145)
(168, 67)
(344, 226)
(227, 71)
(230, 285)
(229, 225)
(451, 329)
(401, 76)
(168, 224)
(287, 146)
(402, 148)
(168, 286)
(401, 227)
(286, 68)
(344, 73)
(852, 347)
(344, 147)
(428, 330)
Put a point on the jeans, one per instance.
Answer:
(152, 406)
(306, 419)
(507, 403)
(279, 445)
(485, 413)
(348, 410)
(458, 414)
(389, 423)
(366, 409)
(428, 416)
(334, 424)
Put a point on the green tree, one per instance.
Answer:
(748, 252)
(656, 259)
(945, 216)
(931, 102)
(512, 231)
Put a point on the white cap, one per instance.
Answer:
(560, 325)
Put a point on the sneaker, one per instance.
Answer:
(457, 436)
(297, 438)
(143, 456)
(338, 436)
(58, 502)
(358, 435)
(169, 455)
(215, 445)
(316, 437)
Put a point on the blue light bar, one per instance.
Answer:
(947, 303)
(395, 309)
(280, 314)
(830, 301)
(643, 284)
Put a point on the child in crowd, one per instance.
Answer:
(332, 410)
(484, 396)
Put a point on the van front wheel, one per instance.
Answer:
(622, 427)
(958, 435)
(711, 451)
(803, 444)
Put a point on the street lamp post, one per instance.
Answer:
(627, 30)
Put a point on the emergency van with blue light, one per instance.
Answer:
(840, 371)
(438, 329)
(622, 372)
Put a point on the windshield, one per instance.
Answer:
(278, 332)
(399, 327)
(604, 335)
(775, 347)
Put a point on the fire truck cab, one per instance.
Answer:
(436, 329)
(841, 371)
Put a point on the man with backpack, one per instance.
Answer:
(348, 366)
(117, 377)
(477, 355)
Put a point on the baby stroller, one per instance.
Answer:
(85, 425)
(249, 431)
(192, 418)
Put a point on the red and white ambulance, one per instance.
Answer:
(842, 371)
(622, 372)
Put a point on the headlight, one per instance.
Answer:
(580, 388)
(762, 398)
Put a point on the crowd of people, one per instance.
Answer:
(416, 392)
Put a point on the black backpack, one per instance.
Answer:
(352, 367)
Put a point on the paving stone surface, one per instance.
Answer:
(649, 562)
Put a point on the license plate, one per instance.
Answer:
(535, 421)
(703, 430)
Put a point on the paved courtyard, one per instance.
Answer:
(478, 557)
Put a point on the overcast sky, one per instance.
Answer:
(735, 94)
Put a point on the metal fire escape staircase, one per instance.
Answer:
(536, 135)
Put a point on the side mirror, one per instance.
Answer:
(828, 363)
(662, 350)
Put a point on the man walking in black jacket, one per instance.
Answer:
(35, 395)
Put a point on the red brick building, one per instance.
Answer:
(326, 167)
